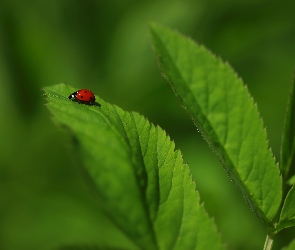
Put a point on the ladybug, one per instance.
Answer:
(83, 96)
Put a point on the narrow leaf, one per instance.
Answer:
(222, 109)
(291, 246)
(139, 178)
(291, 181)
(287, 218)
(288, 139)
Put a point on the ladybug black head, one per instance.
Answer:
(71, 96)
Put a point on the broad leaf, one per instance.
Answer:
(139, 178)
(288, 139)
(224, 112)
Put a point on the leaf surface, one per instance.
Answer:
(222, 109)
(139, 178)
(291, 246)
(288, 139)
(287, 218)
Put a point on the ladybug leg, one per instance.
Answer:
(95, 104)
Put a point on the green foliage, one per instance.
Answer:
(105, 46)
(287, 217)
(140, 180)
(291, 246)
(288, 140)
(225, 114)
(138, 177)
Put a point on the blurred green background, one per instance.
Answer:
(105, 46)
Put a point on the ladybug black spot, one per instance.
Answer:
(81, 96)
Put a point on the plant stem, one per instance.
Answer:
(268, 242)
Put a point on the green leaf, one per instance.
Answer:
(291, 181)
(139, 178)
(291, 246)
(288, 139)
(222, 109)
(287, 217)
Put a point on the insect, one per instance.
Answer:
(83, 96)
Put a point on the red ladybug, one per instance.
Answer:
(83, 96)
